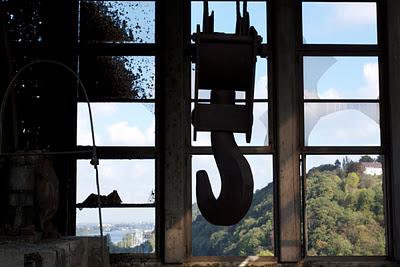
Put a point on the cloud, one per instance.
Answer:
(331, 93)
(133, 179)
(354, 14)
(346, 127)
(85, 138)
(99, 110)
(84, 132)
(371, 75)
(104, 109)
(369, 89)
(122, 134)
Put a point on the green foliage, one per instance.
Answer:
(265, 253)
(126, 244)
(251, 236)
(355, 167)
(117, 76)
(351, 182)
(344, 217)
(338, 164)
(324, 167)
(366, 159)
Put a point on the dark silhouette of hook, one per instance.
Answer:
(236, 177)
(233, 57)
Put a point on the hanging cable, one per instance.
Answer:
(94, 160)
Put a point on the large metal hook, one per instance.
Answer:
(225, 63)
(236, 177)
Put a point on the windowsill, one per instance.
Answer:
(134, 258)
(221, 261)
(343, 261)
(249, 259)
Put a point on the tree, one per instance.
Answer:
(351, 182)
(113, 77)
(345, 162)
(343, 217)
(366, 158)
(338, 164)
(346, 219)
(355, 167)
(365, 199)
(253, 235)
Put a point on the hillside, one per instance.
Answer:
(252, 235)
(345, 216)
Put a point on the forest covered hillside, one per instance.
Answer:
(252, 235)
(344, 216)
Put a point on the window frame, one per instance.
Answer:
(266, 150)
(130, 152)
(176, 234)
(173, 158)
(345, 50)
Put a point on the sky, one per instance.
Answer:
(132, 124)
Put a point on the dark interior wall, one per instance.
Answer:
(61, 124)
(34, 30)
(3, 83)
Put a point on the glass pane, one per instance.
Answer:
(225, 16)
(341, 78)
(339, 23)
(259, 132)
(117, 21)
(25, 21)
(344, 206)
(133, 180)
(118, 77)
(253, 235)
(128, 230)
(341, 124)
(117, 124)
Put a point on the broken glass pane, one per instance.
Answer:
(341, 77)
(118, 77)
(117, 21)
(341, 124)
